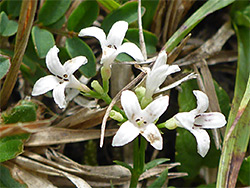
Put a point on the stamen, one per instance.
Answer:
(59, 77)
(65, 76)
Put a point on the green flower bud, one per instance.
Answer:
(95, 84)
(116, 115)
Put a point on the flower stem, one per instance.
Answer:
(138, 160)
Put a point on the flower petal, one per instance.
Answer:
(185, 120)
(161, 60)
(44, 85)
(59, 96)
(155, 109)
(94, 32)
(130, 104)
(117, 33)
(203, 141)
(132, 50)
(153, 136)
(53, 63)
(125, 134)
(172, 69)
(202, 101)
(74, 83)
(210, 120)
(73, 64)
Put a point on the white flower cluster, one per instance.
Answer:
(140, 121)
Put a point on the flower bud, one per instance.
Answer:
(95, 84)
(116, 115)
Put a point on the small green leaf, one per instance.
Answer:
(127, 12)
(14, 8)
(52, 11)
(9, 149)
(148, 17)
(124, 165)
(154, 163)
(43, 40)
(76, 47)
(150, 39)
(159, 182)
(7, 181)
(110, 5)
(245, 172)
(58, 24)
(24, 112)
(83, 16)
(4, 66)
(7, 27)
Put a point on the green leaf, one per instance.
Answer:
(11, 146)
(83, 16)
(58, 24)
(52, 11)
(7, 27)
(110, 5)
(208, 8)
(154, 163)
(124, 165)
(127, 12)
(43, 40)
(6, 180)
(148, 17)
(240, 13)
(4, 66)
(14, 8)
(24, 112)
(159, 182)
(76, 47)
(150, 39)
(245, 172)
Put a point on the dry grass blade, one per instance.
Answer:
(18, 128)
(55, 135)
(210, 47)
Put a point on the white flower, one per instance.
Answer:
(140, 121)
(63, 77)
(159, 73)
(196, 120)
(112, 44)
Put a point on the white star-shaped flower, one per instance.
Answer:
(140, 121)
(112, 44)
(158, 74)
(196, 120)
(63, 77)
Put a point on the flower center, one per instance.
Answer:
(63, 79)
(112, 46)
(140, 121)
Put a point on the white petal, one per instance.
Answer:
(125, 134)
(53, 63)
(71, 94)
(155, 109)
(44, 85)
(73, 64)
(202, 101)
(153, 136)
(108, 56)
(210, 120)
(74, 83)
(130, 104)
(132, 50)
(161, 60)
(155, 78)
(94, 32)
(203, 141)
(185, 120)
(59, 96)
(117, 33)
(172, 69)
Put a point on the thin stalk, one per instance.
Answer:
(141, 37)
(25, 22)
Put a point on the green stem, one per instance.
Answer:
(105, 84)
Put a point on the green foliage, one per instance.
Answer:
(4, 66)
(6, 180)
(240, 13)
(76, 47)
(245, 172)
(43, 40)
(13, 8)
(11, 146)
(127, 12)
(124, 165)
(159, 182)
(109, 5)
(154, 163)
(148, 17)
(81, 17)
(7, 27)
(24, 112)
(52, 11)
